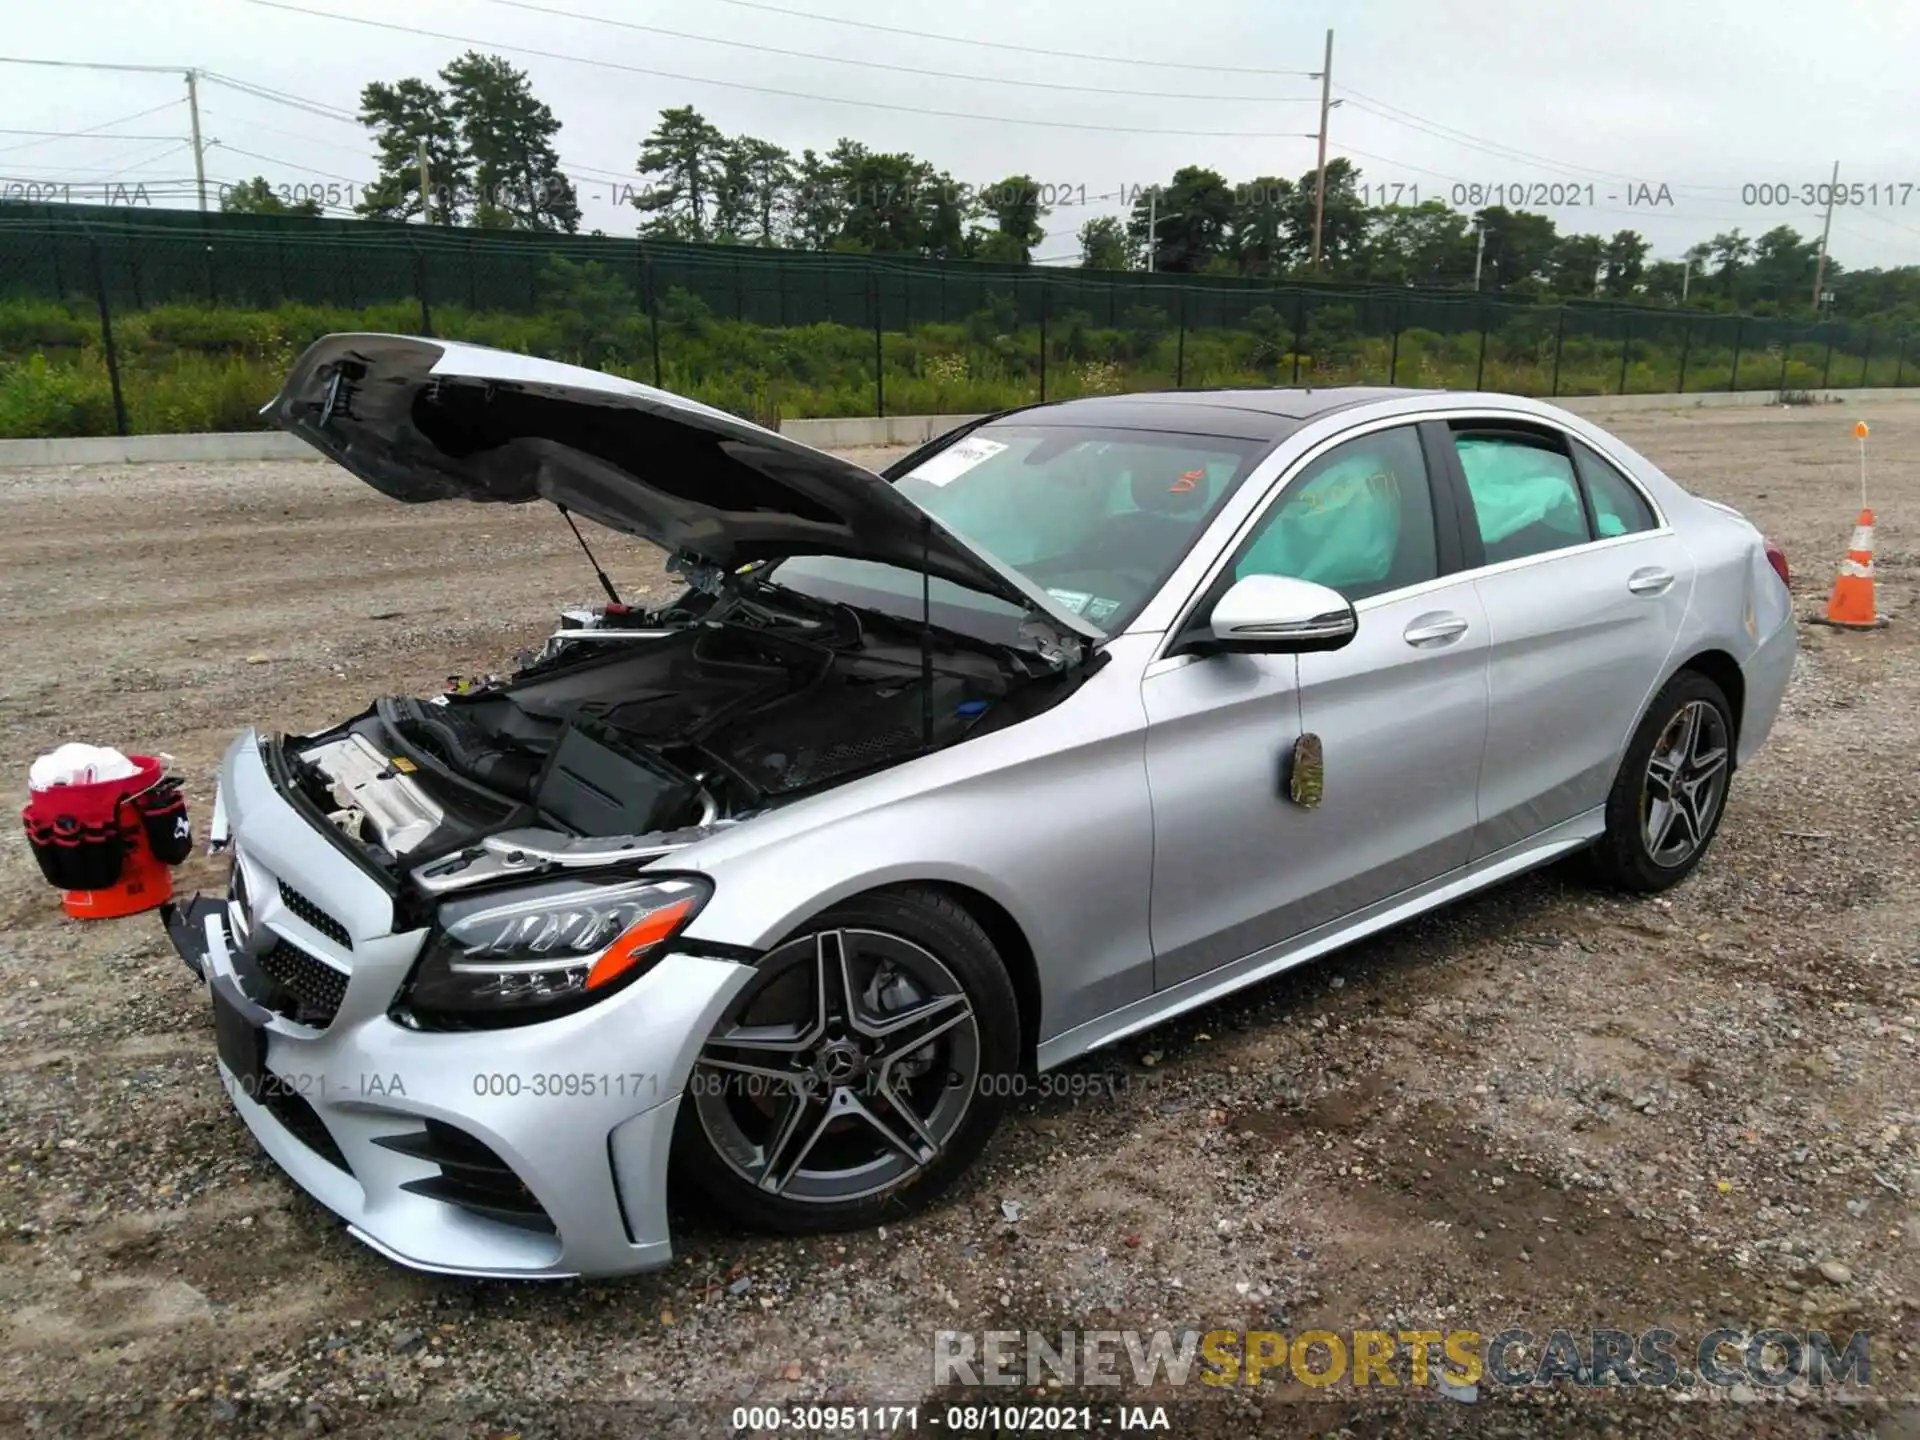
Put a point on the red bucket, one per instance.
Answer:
(91, 842)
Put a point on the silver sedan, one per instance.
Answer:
(1079, 717)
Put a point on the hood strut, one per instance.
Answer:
(605, 583)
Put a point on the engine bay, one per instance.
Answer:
(632, 724)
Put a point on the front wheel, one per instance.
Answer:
(852, 1079)
(1671, 791)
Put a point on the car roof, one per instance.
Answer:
(1269, 415)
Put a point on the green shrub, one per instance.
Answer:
(44, 400)
(30, 326)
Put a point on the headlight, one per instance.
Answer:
(549, 949)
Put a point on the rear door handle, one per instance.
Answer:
(1650, 582)
(1441, 627)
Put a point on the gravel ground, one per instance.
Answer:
(1546, 1107)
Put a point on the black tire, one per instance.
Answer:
(1625, 857)
(912, 919)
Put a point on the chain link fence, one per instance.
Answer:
(132, 321)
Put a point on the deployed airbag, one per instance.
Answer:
(1341, 528)
(1517, 486)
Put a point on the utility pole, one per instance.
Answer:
(1320, 176)
(199, 150)
(426, 189)
(1479, 252)
(1686, 274)
(1820, 268)
(1153, 225)
(193, 100)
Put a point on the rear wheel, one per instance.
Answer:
(855, 1076)
(1671, 791)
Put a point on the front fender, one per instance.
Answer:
(1050, 819)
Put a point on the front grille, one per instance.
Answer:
(300, 1118)
(319, 919)
(305, 988)
(471, 1176)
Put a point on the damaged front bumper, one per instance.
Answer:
(537, 1151)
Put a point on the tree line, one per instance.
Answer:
(492, 162)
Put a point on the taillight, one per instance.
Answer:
(1777, 558)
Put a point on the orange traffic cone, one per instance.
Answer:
(1851, 606)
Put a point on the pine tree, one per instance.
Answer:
(507, 136)
(684, 164)
(401, 116)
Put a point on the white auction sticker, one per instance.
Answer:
(958, 458)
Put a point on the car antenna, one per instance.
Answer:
(605, 583)
(926, 632)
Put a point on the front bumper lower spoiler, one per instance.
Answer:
(187, 929)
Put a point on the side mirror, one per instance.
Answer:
(1275, 615)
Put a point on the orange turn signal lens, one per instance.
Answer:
(633, 944)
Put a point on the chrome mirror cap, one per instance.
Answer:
(1273, 614)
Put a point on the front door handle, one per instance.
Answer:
(1441, 627)
(1650, 581)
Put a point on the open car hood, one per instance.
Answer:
(422, 420)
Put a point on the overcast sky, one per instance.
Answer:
(1702, 98)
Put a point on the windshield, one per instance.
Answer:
(1097, 518)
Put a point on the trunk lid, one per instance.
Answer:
(422, 420)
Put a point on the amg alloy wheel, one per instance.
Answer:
(850, 1073)
(1685, 785)
(1672, 787)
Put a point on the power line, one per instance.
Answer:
(52, 173)
(56, 172)
(1394, 115)
(289, 134)
(1017, 49)
(83, 135)
(597, 171)
(290, 164)
(92, 65)
(770, 90)
(150, 183)
(1883, 219)
(96, 129)
(153, 159)
(296, 102)
(903, 69)
(1380, 111)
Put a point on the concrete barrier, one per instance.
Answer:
(852, 433)
(1598, 406)
(883, 430)
(903, 430)
(139, 449)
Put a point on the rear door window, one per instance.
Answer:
(1525, 494)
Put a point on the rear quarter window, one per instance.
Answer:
(1618, 506)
